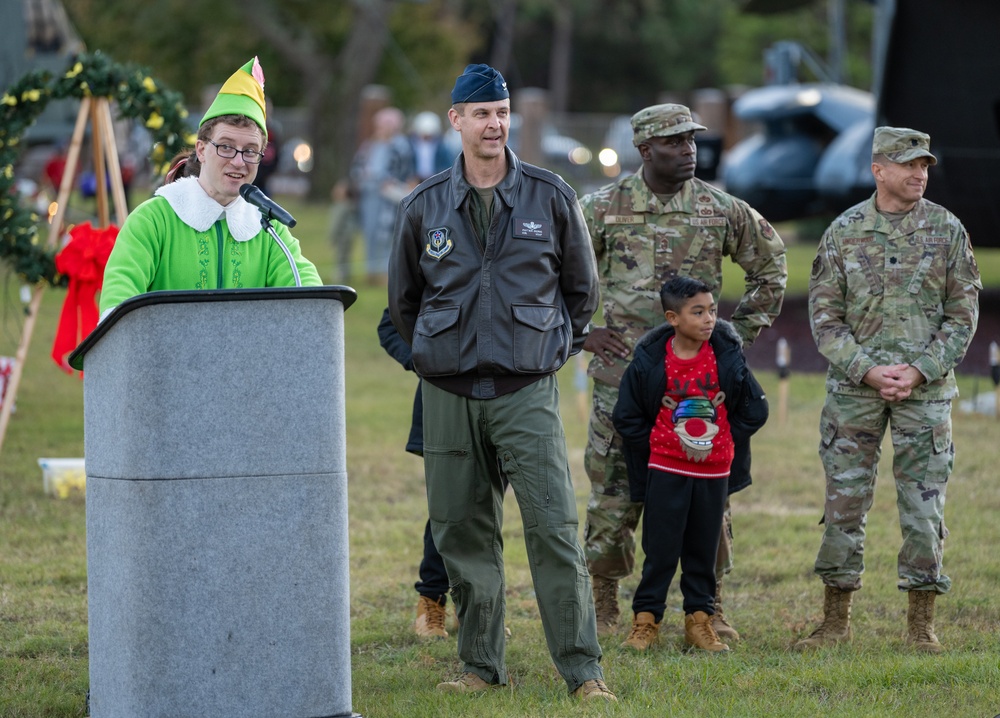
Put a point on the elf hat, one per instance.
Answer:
(242, 94)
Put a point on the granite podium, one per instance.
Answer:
(217, 541)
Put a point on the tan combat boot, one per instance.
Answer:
(920, 622)
(645, 631)
(606, 605)
(594, 689)
(430, 619)
(467, 682)
(836, 625)
(725, 631)
(698, 633)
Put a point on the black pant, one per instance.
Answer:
(433, 583)
(681, 521)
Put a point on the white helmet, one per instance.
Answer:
(427, 124)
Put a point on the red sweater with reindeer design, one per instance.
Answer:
(691, 435)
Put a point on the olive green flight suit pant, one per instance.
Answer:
(470, 447)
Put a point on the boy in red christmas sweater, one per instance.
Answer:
(687, 406)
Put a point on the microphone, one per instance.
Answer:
(268, 207)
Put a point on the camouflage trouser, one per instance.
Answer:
(609, 536)
(851, 433)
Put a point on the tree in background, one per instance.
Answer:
(610, 56)
(315, 55)
(745, 34)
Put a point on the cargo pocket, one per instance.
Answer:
(942, 459)
(540, 342)
(828, 427)
(600, 432)
(448, 502)
(827, 430)
(435, 342)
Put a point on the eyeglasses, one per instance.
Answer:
(251, 157)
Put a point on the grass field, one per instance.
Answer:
(772, 596)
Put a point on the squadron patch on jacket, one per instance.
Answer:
(439, 244)
(531, 228)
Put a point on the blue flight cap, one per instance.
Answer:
(479, 83)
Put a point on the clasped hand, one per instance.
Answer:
(895, 382)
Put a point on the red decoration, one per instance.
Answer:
(82, 260)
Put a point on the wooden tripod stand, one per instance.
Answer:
(98, 111)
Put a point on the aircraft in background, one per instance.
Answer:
(937, 69)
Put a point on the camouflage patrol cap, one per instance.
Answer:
(901, 144)
(662, 121)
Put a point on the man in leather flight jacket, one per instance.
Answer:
(493, 282)
(484, 316)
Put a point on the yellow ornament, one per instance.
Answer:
(77, 69)
(31, 96)
(8, 100)
(149, 84)
(155, 121)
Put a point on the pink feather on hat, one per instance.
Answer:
(258, 71)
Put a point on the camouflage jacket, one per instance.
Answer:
(640, 243)
(879, 296)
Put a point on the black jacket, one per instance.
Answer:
(517, 306)
(645, 383)
(399, 350)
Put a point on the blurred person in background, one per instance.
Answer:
(343, 228)
(382, 171)
(272, 152)
(430, 152)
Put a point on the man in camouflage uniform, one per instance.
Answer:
(893, 302)
(646, 228)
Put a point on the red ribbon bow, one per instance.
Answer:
(82, 260)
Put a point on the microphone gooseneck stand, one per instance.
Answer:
(265, 222)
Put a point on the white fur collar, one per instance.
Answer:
(199, 211)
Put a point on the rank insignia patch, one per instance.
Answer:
(438, 243)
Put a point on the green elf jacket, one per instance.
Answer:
(183, 239)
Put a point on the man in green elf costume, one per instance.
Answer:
(198, 232)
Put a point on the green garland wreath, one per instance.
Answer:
(136, 95)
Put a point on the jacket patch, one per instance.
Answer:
(847, 241)
(531, 228)
(708, 221)
(765, 228)
(439, 244)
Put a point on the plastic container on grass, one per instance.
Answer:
(63, 477)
